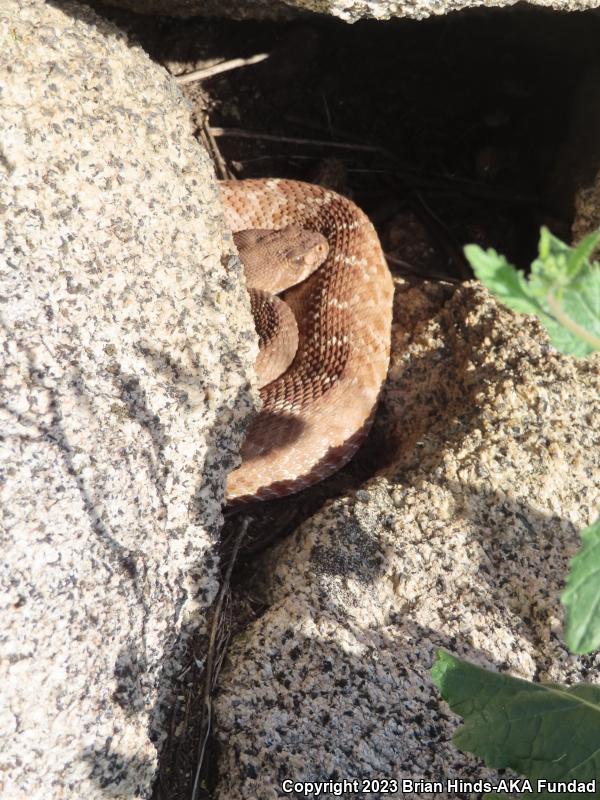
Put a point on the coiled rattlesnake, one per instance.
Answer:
(316, 414)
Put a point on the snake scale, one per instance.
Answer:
(315, 415)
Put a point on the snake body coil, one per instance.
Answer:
(317, 413)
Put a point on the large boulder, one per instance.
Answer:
(463, 543)
(348, 10)
(126, 342)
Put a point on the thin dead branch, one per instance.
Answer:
(417, 177)
(238, 133)
(216, 69)
(210, 144)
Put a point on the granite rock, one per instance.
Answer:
(587, 207)
(348, 10)
(124, 386)
(463, 543)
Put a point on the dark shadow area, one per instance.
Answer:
(445, 131)
(279, 430)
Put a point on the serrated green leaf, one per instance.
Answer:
(501, 278)
(559, 263)
(552, 261)
(582, 253)
(563, 289)
(544, 243)
(540, 730)
(566, 333)
(582, 594)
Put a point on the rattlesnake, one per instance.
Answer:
(316, 414)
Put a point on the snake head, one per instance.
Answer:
(274, 260)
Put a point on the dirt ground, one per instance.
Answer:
(454, 130)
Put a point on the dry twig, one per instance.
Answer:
(238, 133)
(210, 144)
(216, 69)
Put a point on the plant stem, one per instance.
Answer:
(569, 324)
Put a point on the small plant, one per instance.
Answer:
(563, 289)
(543, 731)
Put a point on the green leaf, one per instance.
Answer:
(541, 730)
(563, 289)
(582, 253)
(582, 594)
(502, 279)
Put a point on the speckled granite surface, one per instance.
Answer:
(123, 393)
(463, 544)
(348, 10)
(587, 204)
